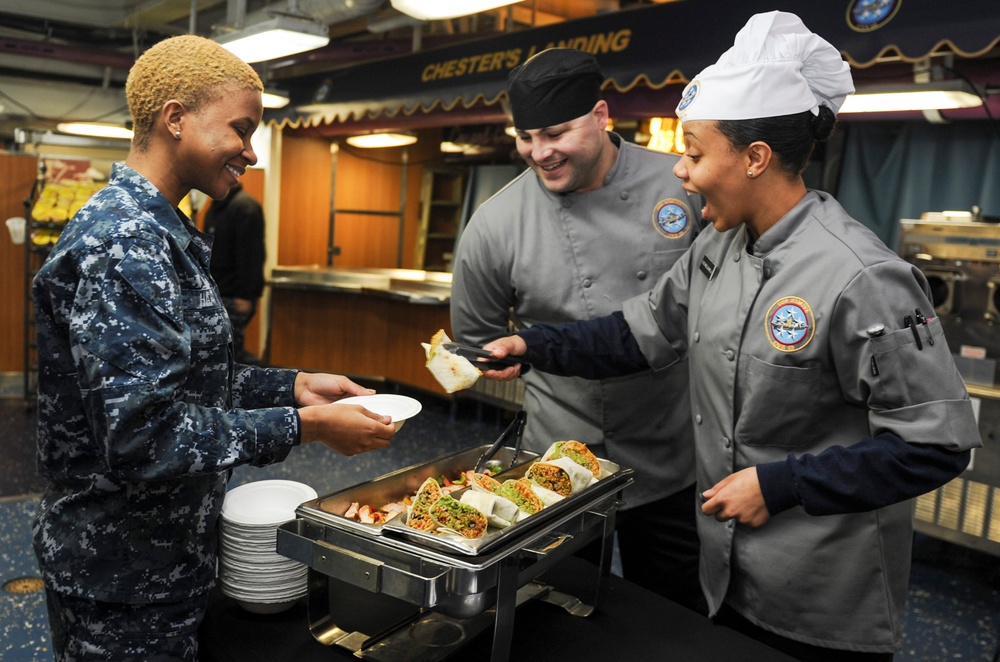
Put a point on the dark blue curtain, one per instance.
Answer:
(894, 170)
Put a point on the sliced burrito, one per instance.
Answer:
(452, 372)
(576, 451)
(500, 512)
(484, 483)
(450, 513)
(561, 475)
(546, 496)
(419, 515)
(519, 491)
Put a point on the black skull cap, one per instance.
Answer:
(552, 87)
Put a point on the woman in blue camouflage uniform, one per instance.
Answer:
(820, 409)
(142, 411)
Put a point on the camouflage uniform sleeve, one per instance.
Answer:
(255, 387)
(154, 373)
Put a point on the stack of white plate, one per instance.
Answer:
(250, 570)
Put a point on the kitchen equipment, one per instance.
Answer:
(250, 571)
(384, 592)
(960, 256)
(515, 429)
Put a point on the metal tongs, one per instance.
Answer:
(515, 428)
(485, 360)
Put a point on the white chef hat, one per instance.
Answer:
(775, 67)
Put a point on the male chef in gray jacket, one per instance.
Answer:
(594, 221)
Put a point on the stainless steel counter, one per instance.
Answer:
(410, 285)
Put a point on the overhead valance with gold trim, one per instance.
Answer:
(652, 47)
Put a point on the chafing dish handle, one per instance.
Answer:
(374, 575)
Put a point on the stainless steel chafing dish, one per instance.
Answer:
(386, 593)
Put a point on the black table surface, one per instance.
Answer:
(630, 623)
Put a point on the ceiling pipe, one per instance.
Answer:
(48, 50)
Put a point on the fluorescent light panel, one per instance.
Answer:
(95, 130)
(280, 36)
(942, 95)
(274, 99)
(433, 10)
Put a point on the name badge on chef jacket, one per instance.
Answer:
(708, 267)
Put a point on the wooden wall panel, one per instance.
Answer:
(368, 180)
(306, 170)
(354, 334)
(329, 332)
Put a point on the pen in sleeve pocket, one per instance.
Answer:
(908, 323)
(923, 320)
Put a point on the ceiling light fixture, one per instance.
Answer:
(433, 10)
(280, 36)
(272, 98)
(897, 97)
(377, 140)
(95, 130)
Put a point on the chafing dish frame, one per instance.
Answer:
(404, 578)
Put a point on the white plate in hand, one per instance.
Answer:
(397, 407)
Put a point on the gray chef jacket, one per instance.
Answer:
(560, 257)
(778, 333)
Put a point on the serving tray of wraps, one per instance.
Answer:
(405, 482)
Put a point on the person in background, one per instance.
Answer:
(823, 400)
(142, 413)
(592, 223)
(236, 224)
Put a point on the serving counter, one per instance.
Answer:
(630, 623)
(366, 323)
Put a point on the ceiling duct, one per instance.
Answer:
(324, 11)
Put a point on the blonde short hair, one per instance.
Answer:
(194, 70)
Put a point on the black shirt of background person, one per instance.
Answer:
(237, 222)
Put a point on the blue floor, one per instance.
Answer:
(953, 610)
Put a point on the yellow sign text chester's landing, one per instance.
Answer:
(597, 43)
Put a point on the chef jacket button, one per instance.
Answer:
(726, 442)
(624, 195)
(587, 282)
(736, 256)
(767, 272)
(697, 419)
(731, 523)
(876, 330)
(697, 336)
(730, 354)
(641, 275)
(567, 203)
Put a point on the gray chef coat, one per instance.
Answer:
(782, 363)
(555, 258)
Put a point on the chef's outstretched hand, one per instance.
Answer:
(738, 497)
(502, 348)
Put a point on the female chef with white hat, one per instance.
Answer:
(823, 399)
